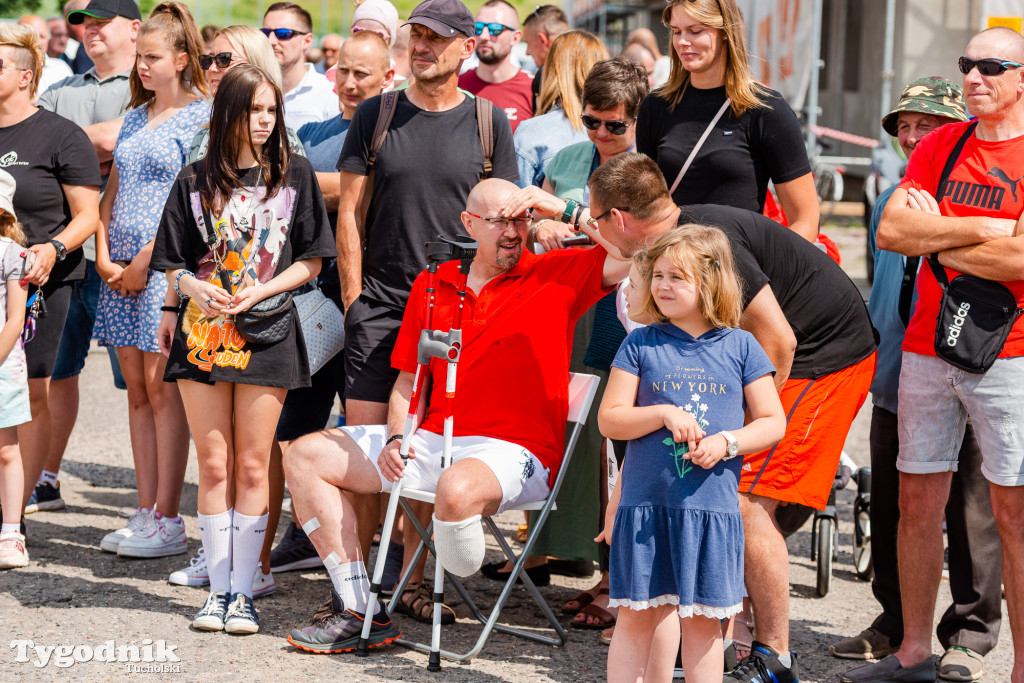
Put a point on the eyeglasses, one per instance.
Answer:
(382, 34)
(613, 127)
(283, 33)
(494, 28)
(986, 67)
(221, 59)
(501, 222)
(592, 221)
(6, 67)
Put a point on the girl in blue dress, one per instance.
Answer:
(168, 89)
(677, 392)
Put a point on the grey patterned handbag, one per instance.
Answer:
(323, 327)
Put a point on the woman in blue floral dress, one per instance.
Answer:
(168, 89)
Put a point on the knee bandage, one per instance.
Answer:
(460, 545)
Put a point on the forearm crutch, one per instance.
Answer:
(432, 344)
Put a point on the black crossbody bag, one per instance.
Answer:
(975, 315)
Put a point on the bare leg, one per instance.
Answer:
(276, 480)
(702, 649)
(171, 430)
(1008, 507)
(919, 546)
(633, 657)
(64, 404)
(766, 568)
(34, 436)
(141, 426)
(318, 466)
(12, 476)
(209, 417)
(257, 410)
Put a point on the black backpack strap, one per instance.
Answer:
(910, 270)
(385, 115)
(485, 127)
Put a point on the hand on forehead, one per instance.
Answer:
(487, 197)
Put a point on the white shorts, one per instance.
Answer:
(522, 477)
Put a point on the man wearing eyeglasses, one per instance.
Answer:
(975, 229)
(308, 96)
(498, 78)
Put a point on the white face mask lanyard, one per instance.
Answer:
(700, 143)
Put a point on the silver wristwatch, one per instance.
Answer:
(733, 447)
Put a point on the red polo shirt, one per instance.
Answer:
(517, 336)
(514, 96)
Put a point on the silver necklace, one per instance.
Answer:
(237, 203)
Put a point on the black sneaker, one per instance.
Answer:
(762, 665)
(45, 498)
(340, 632)
(295, 551)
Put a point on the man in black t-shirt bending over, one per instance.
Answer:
(811, 320)
(421, 178)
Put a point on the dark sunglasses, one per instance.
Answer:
(613, 127)
(986, 67)
(221, 59)
(494, 28)
(283, 33)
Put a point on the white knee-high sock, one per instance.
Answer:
(215, 530)
(246, 544)
(351, 583)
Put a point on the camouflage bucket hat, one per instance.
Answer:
(932, 95)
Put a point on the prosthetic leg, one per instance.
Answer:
(432, 344)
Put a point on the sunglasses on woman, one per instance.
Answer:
(494, 28)
(283, 33)
(613, 127)
(221, 59)
(986, 67)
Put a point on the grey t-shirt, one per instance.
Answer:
(87, 100)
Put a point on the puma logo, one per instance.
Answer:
(1001, 176)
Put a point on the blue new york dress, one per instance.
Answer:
(678, 534)
(147, 161)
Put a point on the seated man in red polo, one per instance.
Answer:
(510, 410)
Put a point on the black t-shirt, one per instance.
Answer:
(421, 180)
(722, 172)
(821, 303)
(42, 153)
(290, 226)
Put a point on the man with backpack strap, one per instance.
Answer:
(403, 183)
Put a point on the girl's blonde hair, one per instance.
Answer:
(11, 228)
(740, 86)
(255, 48)
(28, 51)
(702, 253)
(175, 24)
(572, 56)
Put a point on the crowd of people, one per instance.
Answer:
(171, 192)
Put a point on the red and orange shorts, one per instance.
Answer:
(819, 412)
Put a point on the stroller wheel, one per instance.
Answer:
(862, 545)
(825, 553)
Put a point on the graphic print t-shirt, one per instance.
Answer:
(514, 96)
(255, 241)
(987, 181)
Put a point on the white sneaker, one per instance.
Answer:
(13, 553)
(158, 538)
(195, 574)
(138, 520)
(263, 584)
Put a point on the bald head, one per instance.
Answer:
(37, 24)
(488, 196)
(999, 42)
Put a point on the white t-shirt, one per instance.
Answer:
(312, 100)
(54, 70)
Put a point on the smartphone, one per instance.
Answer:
(577, 241)
(30, 259)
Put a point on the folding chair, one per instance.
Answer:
(582, 390)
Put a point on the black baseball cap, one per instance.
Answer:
(106, 9)
(444, 17)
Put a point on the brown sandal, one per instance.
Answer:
(607, 619)
(421, 605)
(582, 599)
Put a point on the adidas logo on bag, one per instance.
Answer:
(957, 324)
